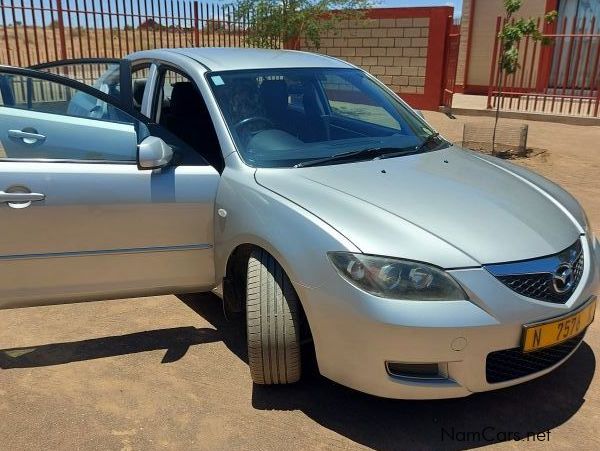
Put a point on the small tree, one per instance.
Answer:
(510, 36)
(288, 20)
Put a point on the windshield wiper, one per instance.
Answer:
(374, 152)
(349, 156)
(413, 150)
(427, 141)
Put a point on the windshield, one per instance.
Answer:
(288, 117)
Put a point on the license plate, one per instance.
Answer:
(549, 333)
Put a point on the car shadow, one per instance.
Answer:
(521, 411)
(176, 341)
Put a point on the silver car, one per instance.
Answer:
(315, 201)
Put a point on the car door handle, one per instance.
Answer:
(28, 137)
(20, 197)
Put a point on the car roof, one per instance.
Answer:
(235, 58)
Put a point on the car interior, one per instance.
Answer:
(306, 120)
(182, 111)
(284, 112)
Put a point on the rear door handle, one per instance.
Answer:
(28, 137)
(20, 197)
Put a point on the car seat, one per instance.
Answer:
(190, 120)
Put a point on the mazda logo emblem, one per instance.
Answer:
(562, 279)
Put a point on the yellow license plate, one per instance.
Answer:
(542, 335)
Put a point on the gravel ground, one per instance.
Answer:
(169, 372)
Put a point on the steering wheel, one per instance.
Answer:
(249, 120)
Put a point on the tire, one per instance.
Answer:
(273, 326)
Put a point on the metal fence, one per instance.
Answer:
(36, 31)
(451, 64)
(560, 78)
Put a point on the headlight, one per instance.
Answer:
(397, 279)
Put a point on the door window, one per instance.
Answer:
(45, 96)
(44, 118)
(107, 75)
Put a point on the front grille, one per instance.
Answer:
(534, 278)
(578, 269)
(513, 363)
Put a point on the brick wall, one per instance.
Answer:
(395, 45)
(395, 50)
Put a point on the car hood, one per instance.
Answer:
(449, 207)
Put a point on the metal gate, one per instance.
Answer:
(560, 78)
(450, 64)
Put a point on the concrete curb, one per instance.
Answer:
(570, 120)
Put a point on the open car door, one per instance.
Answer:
(80, 220)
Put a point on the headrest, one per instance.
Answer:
(274, 94)
(185, 99)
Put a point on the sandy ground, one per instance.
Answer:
(170, 373)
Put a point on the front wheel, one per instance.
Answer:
(273, 325)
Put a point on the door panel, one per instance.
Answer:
(105, 230)
(93, 226)
(64, 138)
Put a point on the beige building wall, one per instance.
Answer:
(483, 34)
(462, 50)
(394, 50)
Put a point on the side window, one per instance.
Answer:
(45, 96)
(181, 110)
(41, 118)
(346, 100)
(103, 76)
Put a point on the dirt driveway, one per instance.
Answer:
(169, 373)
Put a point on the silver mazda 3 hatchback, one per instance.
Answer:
(320, 206)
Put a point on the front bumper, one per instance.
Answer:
(355, 333)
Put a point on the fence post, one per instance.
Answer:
(544, 68)
(196, 25)
(61, 30)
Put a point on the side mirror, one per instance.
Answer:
(153, 153)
